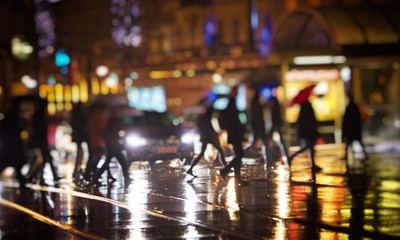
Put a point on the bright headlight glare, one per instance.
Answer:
(189, 137)
(134, 140)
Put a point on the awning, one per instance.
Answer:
(356, 31)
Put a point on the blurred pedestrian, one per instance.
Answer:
(230, 121)
(277, 126)
(308, 134)
(95, 127)
(40, 139)
(79, 134)
(114, 147)
(207, 136)
(351, 126)
(11, 146)
(257, 123)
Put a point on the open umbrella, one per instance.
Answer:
(302, 96)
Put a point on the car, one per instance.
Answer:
(152, 136)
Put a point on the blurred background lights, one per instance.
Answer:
(126, 15)
(28, 81)
(322, 88)
(44, 25)
(101, 71)
(51, 80)
(112, 80)
(20, 49)
(345, 74)
(217, 78)
(134, 75)
(62, 58)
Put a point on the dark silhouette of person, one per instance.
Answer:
(11, 145)
(95, 127)
(230, 121)
(39, 138)
(351, 127)
(276, 126)
(79, 134)
(207, 135)
(257, 123)
(114, 148)
(308, 134)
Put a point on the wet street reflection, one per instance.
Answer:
(361, 202)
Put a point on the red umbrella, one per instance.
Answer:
(302, 96)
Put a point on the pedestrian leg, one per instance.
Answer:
(196, 160)
(363, 148)
(221, 155)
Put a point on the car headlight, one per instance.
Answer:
(134, 140)
(189, 137)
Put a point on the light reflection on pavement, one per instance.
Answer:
(163, 202)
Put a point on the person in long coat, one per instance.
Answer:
(207, 135)
(307, 132)
(351, 127)
(114, 148)
(277, 125)
(11, 145)
(231, 123)
(39, 138)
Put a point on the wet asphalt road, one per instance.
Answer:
(163, 202)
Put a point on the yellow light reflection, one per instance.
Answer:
(114, 89)
(50, 96)
(83, 93)
(75, 93)
(68, 106)
(67, 93)
(332, 203)
(104, 88)
(95, 86)
(43, 91)
(60, 106)
(51, 108)
(59, 92)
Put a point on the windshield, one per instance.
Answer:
(150, 118)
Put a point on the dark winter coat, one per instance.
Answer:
(351, 127)
(307, 123)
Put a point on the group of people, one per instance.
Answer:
(18, 118)
(307, 131)
(99, 126)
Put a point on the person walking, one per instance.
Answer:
(351, 127)
(207, 136)
(276, 126)
(79, 135)
(308, 134)
(95, 126)
(39, 138)
(114, 148)
(257, 123)
(11, 146)
(230, 121)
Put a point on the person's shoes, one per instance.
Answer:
(57, 178)
(224, 173)
(127, 182)
(190, 172)
(316, 168)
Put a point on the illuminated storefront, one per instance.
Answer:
(341, 50)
